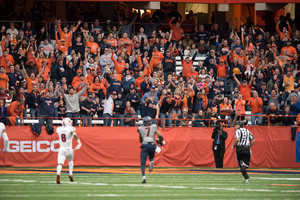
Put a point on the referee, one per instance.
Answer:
(243, 141)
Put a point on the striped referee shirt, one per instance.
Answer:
(244, 135)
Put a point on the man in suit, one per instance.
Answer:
(218, 146)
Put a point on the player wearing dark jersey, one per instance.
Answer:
(243, 141)
(147, 138)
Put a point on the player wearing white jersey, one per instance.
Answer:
(66, 132)
(4, 136)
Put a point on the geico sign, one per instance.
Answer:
(32, 146)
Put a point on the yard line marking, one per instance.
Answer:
(85, 183)
(290, 191)
(160, 186)
(106, 195)
(233, 189)
(287, 179)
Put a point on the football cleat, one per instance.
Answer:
(144, 179)
(71, 178)
(151, 166)
(246, 181)
(58, 179)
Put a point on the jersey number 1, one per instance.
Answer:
(148, 131)
(63, 137)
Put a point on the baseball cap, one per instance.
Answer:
(62, 40)
(244, 81)
(216, 97)
(12, 44)
(152, 87)
(263, 83)
(113, 92)
(93, 69)
(273, 45)
(186, 89)
(1, 88)
(90, 96)
(221, 60)
(169, 93)
(212, 50)
(288, 41)
(79, 70)
(198, 93)
(132, 88)
(185, 109)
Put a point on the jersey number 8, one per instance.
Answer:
(63, 137)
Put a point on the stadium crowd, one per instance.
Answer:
(108, 72)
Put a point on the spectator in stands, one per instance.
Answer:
(3, 112)
(198, 119)
(273, 113)
(119, 108)
(295, 105)
(286, 118)
(255, 103)
(13, 77)
(201, 34)
(46, 107)
(238, 47)
(292, 94)
(178, 33)
(240, 107)
(202, 49)
(151, 107)
(28, 30)
(210, 61)
(129, 117)
(135, 99)
(213, 103)
(98, 88)
(33, 102)
(169, 65)
(210, 118)
(216, 32)
(15, 111)
(61, 109)
(225, 109)
(184, 118)
(87, 109)
(6, 60)
(197, 103)
(72, 102)
(126, 27)
(235, 65)
(186, 64)
(3, 95)
(149, 27)
(109, 108)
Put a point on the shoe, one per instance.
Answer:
(243, 166)
(246, 181)
(144, 179)
(4, 151)
(58, 179)
(71, 178)
(151, 166)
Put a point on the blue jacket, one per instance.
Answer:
(197, 105)
(32, 99)
(47, 105)
(115, 85)
(126, 84)
(295, 108)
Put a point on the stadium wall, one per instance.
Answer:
(119, 146)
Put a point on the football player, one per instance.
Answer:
(147, 137)
(66, 132)
(4, 136)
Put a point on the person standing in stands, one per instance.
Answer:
(219, 136)
(46, 105)
(178, 33)
(33, 103)
(151, 108)
(72, 102)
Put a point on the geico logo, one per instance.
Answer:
(32, 146)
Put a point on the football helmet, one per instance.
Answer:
(147, 121)
(67, 122)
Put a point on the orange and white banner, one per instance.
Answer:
(119, 146)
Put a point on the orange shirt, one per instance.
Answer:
(245, 91)
(97, 86)
(194, 75)
(31, 83)
(156, 58)
(227, 112)
(63, 48)
(221, 71)
(93, 45)
(112, 42)
(281, 33)
(14, 110)
(290, 50)
(291, 81)
(118, 66)
(138, 82)
(6, 61)
(176, 35)
(90, 78)
(240, 104)
(3, 81)
(255, 105)
(186, 67)
(128, 45)
(66, 36)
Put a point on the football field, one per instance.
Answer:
(162, 183)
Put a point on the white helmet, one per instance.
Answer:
(66, 122)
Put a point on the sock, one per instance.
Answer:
(244, 172)
(59, 167)
(5, 138)
(71, 164)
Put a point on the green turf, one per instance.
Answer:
(164, 186)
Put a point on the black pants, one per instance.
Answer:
(243, 153)
(219, 155)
